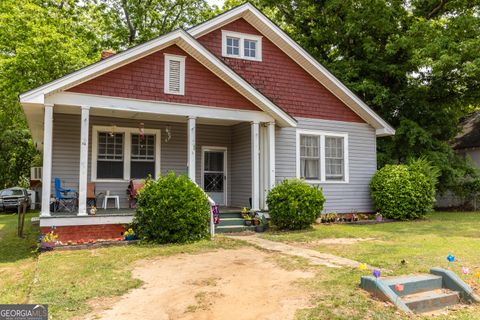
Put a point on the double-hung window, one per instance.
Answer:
(110, 155)
(241, 46)
(143, 156)
(124, 153)
(322, 156)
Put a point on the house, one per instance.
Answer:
(233, 102)
(467, 145)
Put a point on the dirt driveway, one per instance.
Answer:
(226, 284)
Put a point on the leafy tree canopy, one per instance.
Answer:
(414, 62)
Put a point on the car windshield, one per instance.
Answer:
(12, 192)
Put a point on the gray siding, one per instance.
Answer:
(241, 177)
(173, 154)
(340, 197)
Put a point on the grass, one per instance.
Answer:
(423, 244)
(67, 280)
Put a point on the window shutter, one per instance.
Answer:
(174, 76)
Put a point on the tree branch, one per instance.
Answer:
(437, 8)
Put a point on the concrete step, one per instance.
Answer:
(231, 222)
(431, 300)
(230, 229)
(414, 283)
(230, 215)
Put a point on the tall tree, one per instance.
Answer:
(125, 23)
(415, 62)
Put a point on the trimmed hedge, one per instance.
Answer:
(404, 192)
(294, 204)
(172, 209)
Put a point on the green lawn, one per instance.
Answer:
(67, 280)
(423, 244)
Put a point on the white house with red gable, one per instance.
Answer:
(233, 102)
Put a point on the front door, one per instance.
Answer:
(214, 174)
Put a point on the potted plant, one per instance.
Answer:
(129, 235)
(246, 217)
(378, 217)
(48, 240)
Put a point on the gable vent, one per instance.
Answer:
(174, 74)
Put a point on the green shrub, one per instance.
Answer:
(294, 204)
(404, 192)
(172, 209)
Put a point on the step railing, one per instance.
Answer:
(212, 206)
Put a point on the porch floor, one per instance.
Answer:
(129, 212)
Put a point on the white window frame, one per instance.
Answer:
(225, 167)
(171, 57)
(127, 131)
(322, 135)
(242, 37)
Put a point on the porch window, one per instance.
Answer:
(110, 155)
(322, 156)
(143, 156)
(124, 154)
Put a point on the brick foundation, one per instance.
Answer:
(87, 232)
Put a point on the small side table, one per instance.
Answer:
(116, 198)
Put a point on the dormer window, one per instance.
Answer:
(241, 46)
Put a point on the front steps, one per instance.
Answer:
(421, 293)
(232, 222)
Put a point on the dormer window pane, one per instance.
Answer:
(233, 46)
(250, 48)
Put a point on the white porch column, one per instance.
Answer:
(191, 148)
(82, 182)
(271, 155)
(255, 136)
(47, 159)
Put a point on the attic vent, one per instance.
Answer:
(174, 74)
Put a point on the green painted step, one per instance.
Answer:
(229, 229)
(431, 300)
(230, 215)
(414, 283)
(231, 222)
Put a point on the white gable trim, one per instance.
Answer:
(298, 54)
(184, 41)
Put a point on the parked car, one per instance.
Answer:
(10, 198)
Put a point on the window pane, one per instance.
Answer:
(109, 169)
(110, 146)
(250, 48)
(142, 169)
(213, 161)
(143, 148)
(334, 159)
(310, 157)
(233, 46)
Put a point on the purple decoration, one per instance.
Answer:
(377, 273)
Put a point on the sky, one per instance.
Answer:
(219, 3)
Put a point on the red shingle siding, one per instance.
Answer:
(281, 79)
(90, 232)
(143, 79)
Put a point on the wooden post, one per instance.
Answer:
(21, 209)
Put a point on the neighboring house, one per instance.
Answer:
(467, 145)
(233, 102)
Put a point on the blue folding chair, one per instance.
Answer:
(66, 199)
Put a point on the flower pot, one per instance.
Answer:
(379, 218)
(129, 238)
(248, 222)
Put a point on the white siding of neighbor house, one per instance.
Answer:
(173, 154)
(340, 197)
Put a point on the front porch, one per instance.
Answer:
(228, 153)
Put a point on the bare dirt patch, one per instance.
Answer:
(226, 284)
(334, 241)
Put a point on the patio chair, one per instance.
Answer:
(92, 194)
(65, 199)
